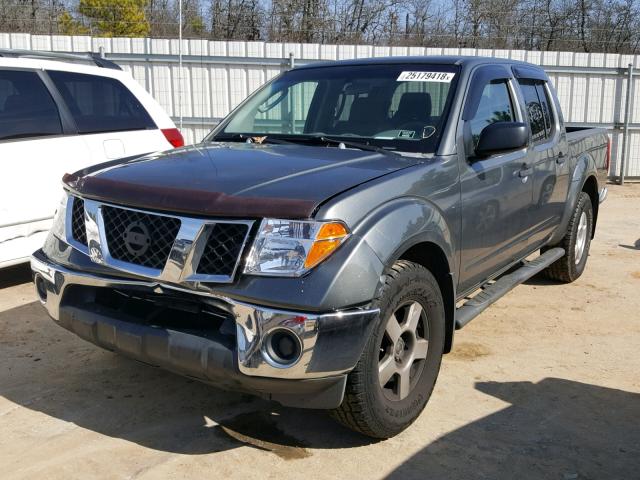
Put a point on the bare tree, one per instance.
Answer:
(587, 25)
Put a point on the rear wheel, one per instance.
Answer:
(576, 243)
(392, 382)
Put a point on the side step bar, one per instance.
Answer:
(494, 291)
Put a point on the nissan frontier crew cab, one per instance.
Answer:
(324, 242)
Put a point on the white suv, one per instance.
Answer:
(60, 113)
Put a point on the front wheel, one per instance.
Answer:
(394, 378)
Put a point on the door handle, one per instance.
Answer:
(561, 158)
(525, 171)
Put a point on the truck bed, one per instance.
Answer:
(593, 142)
(589, 140)
(590, 137)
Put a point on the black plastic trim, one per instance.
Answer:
(197, 357)
(492, 292)
(529, 73)
(69, 126)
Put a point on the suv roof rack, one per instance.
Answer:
(89, 58)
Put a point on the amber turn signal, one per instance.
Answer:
(329, 238)
(329, 231)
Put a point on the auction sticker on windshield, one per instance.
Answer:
(444, 77)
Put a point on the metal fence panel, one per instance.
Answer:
(217, 75)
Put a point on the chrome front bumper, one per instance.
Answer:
(331, 342)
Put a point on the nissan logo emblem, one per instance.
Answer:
(137, 239)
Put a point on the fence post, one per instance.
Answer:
(292, 60)
(627, 114)
(180, 86)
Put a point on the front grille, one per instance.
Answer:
(222, 249)
(78, 230)
(139, 238)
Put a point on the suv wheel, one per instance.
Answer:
(394, 378)
(576, 243)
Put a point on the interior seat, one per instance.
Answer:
(414, 107)
(362, 118)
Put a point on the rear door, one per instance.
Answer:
(37, 147)
(549, 152)
(496, 191)
(110, 119)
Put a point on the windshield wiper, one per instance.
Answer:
(231, 137)
(358, 145)
(297, 139)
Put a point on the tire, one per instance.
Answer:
(569, 267)
(410, 291)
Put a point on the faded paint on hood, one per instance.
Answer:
(235, 179)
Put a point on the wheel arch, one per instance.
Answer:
(583, 179)
(590, 187)
(415, 229)
(433, 258)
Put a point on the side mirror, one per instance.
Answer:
(502, 137)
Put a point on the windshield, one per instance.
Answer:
(395, 107)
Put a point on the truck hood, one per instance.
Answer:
(234, 179)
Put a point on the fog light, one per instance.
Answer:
(282, 348)
(41, 288)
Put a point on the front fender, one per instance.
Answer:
(396, 226)
(585, 167)
(407, 222)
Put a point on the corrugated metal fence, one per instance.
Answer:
(216, 76)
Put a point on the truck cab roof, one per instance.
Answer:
(464, 61)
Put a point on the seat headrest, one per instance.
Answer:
(362, 109)
(413, 106)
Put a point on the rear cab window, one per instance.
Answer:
(100, 104)
(27, 109)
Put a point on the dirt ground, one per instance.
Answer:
(544, 385)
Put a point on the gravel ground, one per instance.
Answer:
(545, 384)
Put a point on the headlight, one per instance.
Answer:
(293, 247)
(58, 228)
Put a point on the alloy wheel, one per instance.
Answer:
(403, 351)
(581, 238)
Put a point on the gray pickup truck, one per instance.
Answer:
(324, 242)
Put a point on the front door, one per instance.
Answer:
(497, 190)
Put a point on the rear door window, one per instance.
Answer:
(26, 108)
(539, 110)
(100, 104)
(547, 111)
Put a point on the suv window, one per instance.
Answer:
(495, 106)
(538, 110)
(26, 107)
(100, 104)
